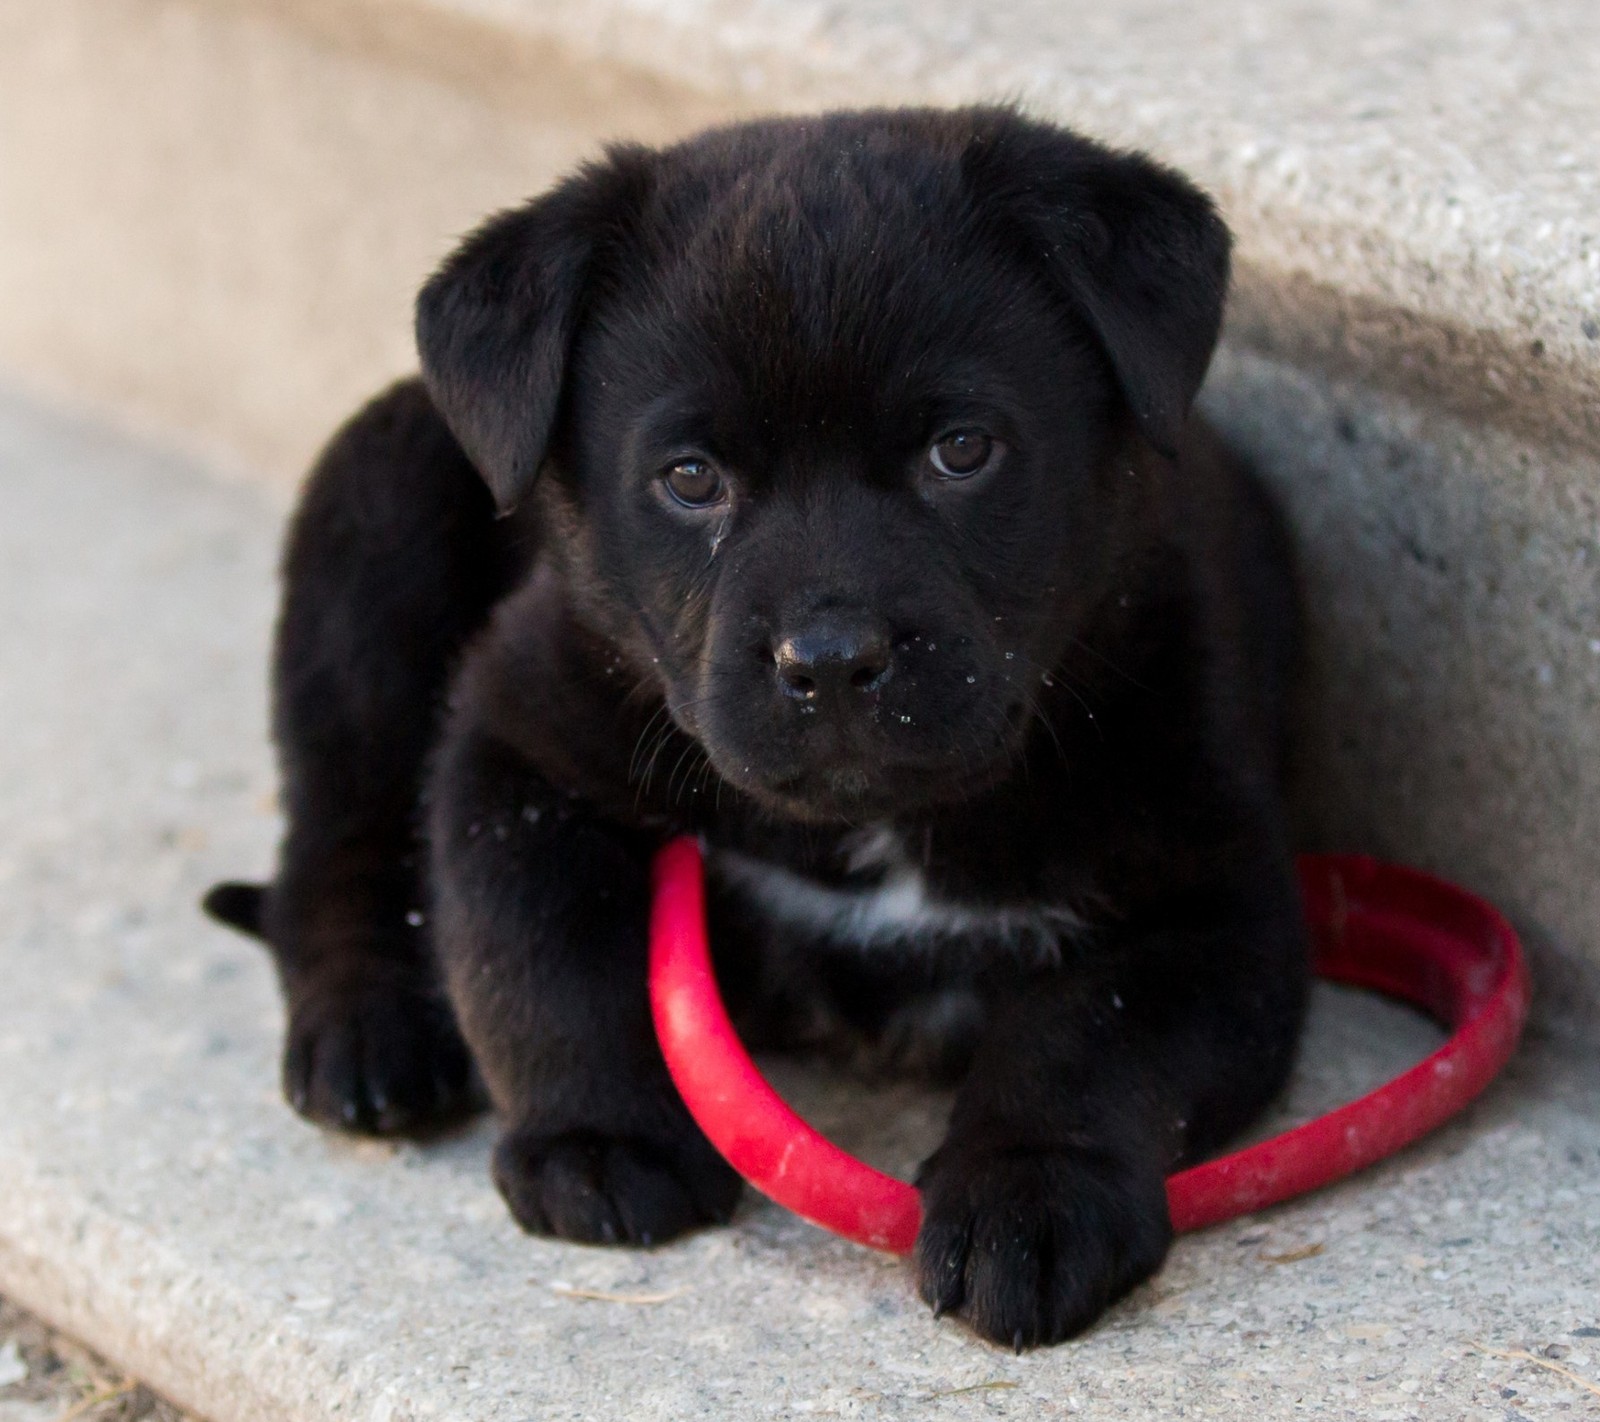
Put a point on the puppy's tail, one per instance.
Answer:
(238, 905)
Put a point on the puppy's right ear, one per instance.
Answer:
(1138, 250)
(495, 322)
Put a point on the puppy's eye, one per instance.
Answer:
(694, 483)
(961, 453)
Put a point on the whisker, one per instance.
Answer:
(683, 755)
(1054, 676)
(1107, 662)
(649, 726)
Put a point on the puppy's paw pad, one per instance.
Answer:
(1030, 1247)
(601, 1189)
(380, 1058)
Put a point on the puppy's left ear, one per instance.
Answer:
(496, 321)
(1136, 248)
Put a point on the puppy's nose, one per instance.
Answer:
(832, 656)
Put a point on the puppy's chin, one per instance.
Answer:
(845, 770)
(852, 794)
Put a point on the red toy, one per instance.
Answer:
(1373, 925)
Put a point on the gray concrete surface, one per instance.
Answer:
(158, 1201)
(214, 222)
(1425, 174)
(45, 1376)
(1451, 707)
(1415, 186)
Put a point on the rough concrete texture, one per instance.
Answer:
(45, 1375)
(1451, 714)
(1414, 186)
(1428, 173)
(215, 224)
(157, 1199)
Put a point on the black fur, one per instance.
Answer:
(1050, 696)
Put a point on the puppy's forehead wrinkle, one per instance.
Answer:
(827, 287)
(835, 301)
(807, 365)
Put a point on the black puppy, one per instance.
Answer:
(824, 488)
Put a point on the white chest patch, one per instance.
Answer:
(899, 909)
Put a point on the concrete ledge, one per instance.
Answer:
(1415, 191)
(157, 1199)
(1451, 709)
(214, 223)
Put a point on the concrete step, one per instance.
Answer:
(1414, 189)
(160, 1202)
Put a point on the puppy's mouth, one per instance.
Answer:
(853, 789)
(929, 735)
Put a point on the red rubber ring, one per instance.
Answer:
(1373, 925)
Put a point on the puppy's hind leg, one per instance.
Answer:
(393, 559)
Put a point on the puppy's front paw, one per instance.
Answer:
(1030, 1246)
(376, 1054)
(603, 1189)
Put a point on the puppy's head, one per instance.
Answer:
(830, 413)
